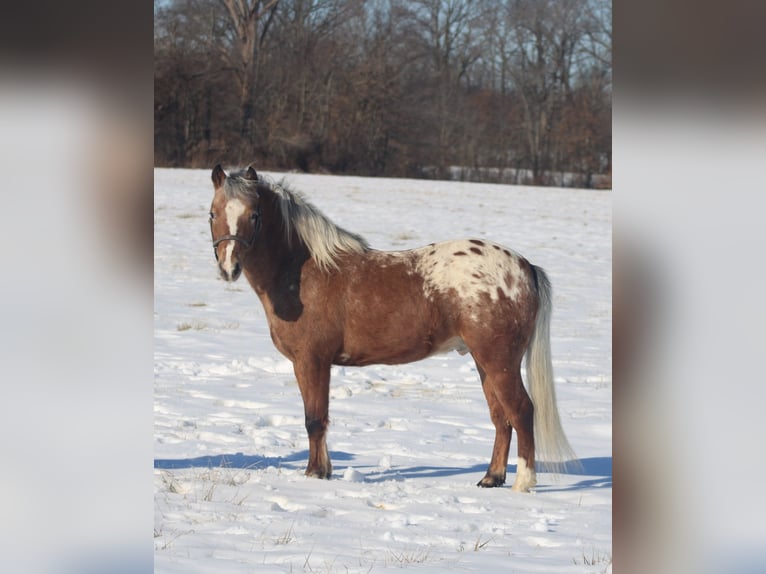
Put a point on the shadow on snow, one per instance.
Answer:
(244, 461)
(597, 469)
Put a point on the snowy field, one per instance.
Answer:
(408, 443)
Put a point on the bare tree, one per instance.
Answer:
(183, 84)
(598, 22)
(447, 37)
(546, 35)
(249, 22)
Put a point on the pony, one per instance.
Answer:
(330, 299)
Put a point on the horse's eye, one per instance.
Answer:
(212, 216)
(253, 216)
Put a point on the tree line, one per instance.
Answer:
(516, 91)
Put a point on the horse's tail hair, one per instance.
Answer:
(552, 448)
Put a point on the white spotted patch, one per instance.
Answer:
(235, 208)
(472, 269)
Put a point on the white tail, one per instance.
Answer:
(552, 450)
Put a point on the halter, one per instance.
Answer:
(248, 244)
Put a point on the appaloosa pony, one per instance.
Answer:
(332, 300)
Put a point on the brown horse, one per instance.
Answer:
(331, 299)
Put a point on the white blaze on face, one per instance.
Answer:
(234, 210)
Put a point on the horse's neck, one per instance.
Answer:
(275, 273)
(274, 260)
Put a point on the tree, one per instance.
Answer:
(246, 27)
(545, 37)
(387, 87)
(183, 86)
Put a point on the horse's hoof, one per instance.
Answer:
(313, 473)
(491, 481)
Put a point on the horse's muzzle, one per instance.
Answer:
(233, 275)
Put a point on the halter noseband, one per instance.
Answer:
(245, 242)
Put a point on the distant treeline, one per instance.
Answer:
(413, 88)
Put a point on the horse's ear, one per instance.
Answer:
(218, 176)
(250, 173)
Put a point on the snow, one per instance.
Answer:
(408, 442)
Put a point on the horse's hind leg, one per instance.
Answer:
(497, 467)
(314, 382)
(516, 411)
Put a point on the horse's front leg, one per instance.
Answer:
(314, 381)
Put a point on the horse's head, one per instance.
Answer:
(235, 219)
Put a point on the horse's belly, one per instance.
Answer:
(453, 344)
(379, 357)
(395, 351)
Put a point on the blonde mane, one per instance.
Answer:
(325, 240)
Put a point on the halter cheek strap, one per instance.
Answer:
(245, 242)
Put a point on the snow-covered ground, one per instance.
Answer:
(408, 443)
